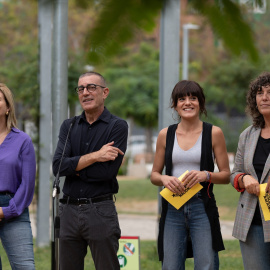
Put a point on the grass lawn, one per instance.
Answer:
(143, 190)
(230, 259)
(227, 199)
(140, 190)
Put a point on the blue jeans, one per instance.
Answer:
(191, 219)
(17, 240)
(255, 252)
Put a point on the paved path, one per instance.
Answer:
(146, 227)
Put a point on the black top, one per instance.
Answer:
(100, 177)
(260, 156)
(211, 209)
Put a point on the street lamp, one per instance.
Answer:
(186, 27)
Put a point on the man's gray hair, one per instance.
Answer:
(89, 73)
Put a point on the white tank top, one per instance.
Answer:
(186, 160)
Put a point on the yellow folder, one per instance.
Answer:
(264, 199)
(178, 200)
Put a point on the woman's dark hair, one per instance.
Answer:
(188, 88)
(251, 108)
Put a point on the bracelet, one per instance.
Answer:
(208, 176)
(242, 178)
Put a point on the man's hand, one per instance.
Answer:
(108, 152)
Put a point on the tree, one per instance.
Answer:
(134, 84)
(19, 57)
(226, 88)
(228, 84)
(118, 21)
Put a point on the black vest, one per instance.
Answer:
(211, 209)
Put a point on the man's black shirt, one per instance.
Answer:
(100, 177)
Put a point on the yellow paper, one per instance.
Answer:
(178, 200)
(264, 199)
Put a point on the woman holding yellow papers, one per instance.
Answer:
(191, 145)
(251, 170)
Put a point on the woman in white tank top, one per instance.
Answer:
(193, 220)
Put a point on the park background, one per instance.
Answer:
(223, 64)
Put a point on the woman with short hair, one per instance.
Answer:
(191, 145)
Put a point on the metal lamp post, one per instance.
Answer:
(186, 28)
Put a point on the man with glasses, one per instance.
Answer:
(94, 152)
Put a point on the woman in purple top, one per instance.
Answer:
(17, 182)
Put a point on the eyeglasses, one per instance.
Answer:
(89, 87)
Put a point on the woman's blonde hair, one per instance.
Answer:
(11, 118)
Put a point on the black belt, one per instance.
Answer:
(80, 201)
(5, 193)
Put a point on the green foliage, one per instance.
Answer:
(117, 23)
(134, 85)
(21, 78)
(228, 83)
(229, 24)
(226, 86)
(74, 71)
(84, 3)
(19, 56)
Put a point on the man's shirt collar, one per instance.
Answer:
(105, 116)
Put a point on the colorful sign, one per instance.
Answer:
(129, 253)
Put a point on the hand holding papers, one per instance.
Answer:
(178, 200)
(264, 199)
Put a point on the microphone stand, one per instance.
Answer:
(56, 225)
(55, 262)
